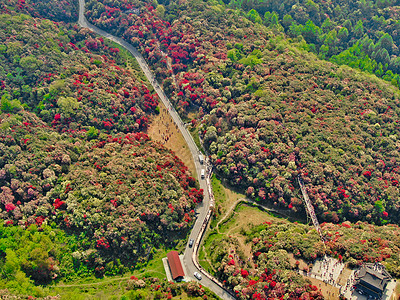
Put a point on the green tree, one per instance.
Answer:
(254, 16)
(68, 105)
(343, 34)
(287, 21)
(160, 11)
(359, 29)
(271, 19)
(311, 32)
(386, 42)
(92, 133)
(30, 63)
(7, 105)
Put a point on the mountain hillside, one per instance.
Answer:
(76, 167)
(362, 34)
(270, 110)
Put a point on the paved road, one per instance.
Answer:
(203, 210)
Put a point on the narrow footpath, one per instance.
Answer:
(204, 209)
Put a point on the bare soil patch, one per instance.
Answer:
(342, 279)
(329, 292)
(230, 198)
(164, 130)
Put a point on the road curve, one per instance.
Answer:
(204, 209)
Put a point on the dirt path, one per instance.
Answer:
(92, 283)
(163, 130)
(228, 213)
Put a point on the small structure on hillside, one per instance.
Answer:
(135, 11)
(372, 280)
(175, 265)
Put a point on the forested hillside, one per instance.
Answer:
(272, 274)
(83, 190)
(362, 34)
(271, 110)
(55, 10)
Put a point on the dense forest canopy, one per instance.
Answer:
(272, 111)
(362, 34)
(85, 191)
(76, 167)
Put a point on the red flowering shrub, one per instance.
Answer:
(244, 273)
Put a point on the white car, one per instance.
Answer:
(197, 275)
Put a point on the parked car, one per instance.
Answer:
(191, 242)
(197, 275)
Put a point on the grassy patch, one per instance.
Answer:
(155, 267)
(219, 190)
(105, 288)
(205, 263)
(194, 131)
(242, 217)
(205, 248)
(130, 62)
(109, 287)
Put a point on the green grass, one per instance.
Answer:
(105, 288)
(130, 61)
(194, 131)
(109, 287)
(219, 196)
(155, 267)
(203, 261)
(219, 192)
(205, 248)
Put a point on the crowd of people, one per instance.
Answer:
(166, 131)
(328, 270)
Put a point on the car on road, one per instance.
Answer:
(191, 242)
(197, 275)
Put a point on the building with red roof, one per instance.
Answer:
(175, 265)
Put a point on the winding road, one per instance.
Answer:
(205, 208)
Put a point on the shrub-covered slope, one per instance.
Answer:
(122, 196)
(75, 161)
(272, 274)
(56, 10)
(273, 111)
(69, 78)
